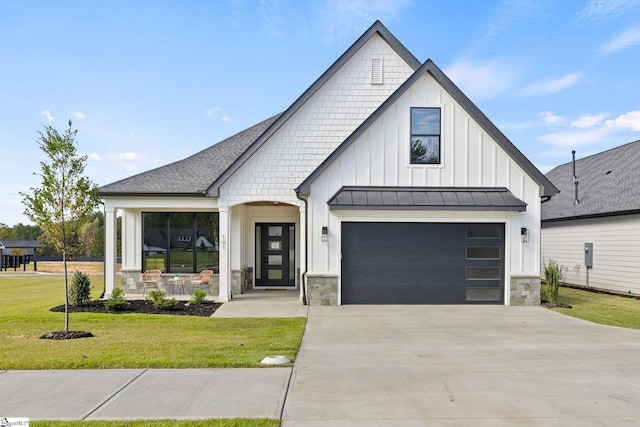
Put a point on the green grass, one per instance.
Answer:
(600, 308)
(129, 340)
(235, 422)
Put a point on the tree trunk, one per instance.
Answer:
(66, 292)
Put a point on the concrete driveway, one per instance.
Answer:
(462, 366)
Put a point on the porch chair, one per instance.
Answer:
(151, 279)
(201, 280)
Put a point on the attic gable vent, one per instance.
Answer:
(376, 71)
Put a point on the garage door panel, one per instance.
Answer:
(420, 263)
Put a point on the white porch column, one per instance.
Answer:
(303, 250)
(110, 248)
(224, 259)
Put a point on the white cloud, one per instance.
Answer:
(126, 156)
(552, 86)
(622, 41)
(128, 161)
(553, 119)
(212, 111)
(630, 120)
(132, 135)
(588, 121)
(79, 115)
(226, 119)
(342, 18)
(482, 80)
(94, 156)
(574, 138)
(598, 10)
(592, 131)
(48, 115)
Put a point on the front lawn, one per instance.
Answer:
(600, 308)
(129, 340)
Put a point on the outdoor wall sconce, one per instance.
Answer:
(524, 234)
(325, 234)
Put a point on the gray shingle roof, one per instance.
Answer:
(193, 175)
(608, 184)
(426, 198)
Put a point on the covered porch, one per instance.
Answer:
(248, 246)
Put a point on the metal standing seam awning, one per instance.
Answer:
(426, 198)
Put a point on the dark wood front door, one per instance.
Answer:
(275, 254)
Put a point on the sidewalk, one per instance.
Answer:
(144, 393)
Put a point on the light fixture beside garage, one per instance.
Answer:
(524, 234)
(325, 234)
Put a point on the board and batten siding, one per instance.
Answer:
(616, 251)
(317, 128)
(469, 158)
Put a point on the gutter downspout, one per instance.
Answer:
(306, 249)
(576, 200)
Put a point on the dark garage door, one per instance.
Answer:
(422, 263)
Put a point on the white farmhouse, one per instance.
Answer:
(381, 184)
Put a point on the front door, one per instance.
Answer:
(275, 254)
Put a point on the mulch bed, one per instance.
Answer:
(183, 308)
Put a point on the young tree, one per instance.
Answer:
(65, 197)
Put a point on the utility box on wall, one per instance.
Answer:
(588, 255)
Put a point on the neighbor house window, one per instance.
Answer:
(180, 242)
(425, 136)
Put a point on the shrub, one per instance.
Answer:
(116, 301)
(80, 290)
(551, 277)
(160, 301)
(199, 296)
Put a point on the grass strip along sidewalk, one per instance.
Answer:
(236, 422)
(129, 340)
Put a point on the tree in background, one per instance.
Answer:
(19, 232)
(65, 199)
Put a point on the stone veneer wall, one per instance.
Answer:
(241, 280)
(525, 290)
(322, 289)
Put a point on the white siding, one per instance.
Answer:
(616, 251)
(469, 158)
(317, 128)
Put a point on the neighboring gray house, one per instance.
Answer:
(381, 184)
(606, 215)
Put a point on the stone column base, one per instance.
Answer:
(525, 290)
(322, 289)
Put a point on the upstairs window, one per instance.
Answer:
(425, 136)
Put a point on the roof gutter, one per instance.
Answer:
(156, 194)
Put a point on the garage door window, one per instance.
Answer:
(484, 252)
(425, 136)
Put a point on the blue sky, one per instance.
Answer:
(150, 82)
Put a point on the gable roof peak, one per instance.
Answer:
(429, 67)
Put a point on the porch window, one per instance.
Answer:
(425, 136)
(180, 242)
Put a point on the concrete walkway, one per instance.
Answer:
(374, 366)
